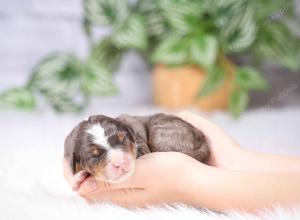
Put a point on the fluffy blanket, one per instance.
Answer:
(32, 185)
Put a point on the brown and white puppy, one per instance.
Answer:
(108, 147)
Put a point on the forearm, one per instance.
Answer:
(256, 161)
(224, 190)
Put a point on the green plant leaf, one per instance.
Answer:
(237, 25)
(155, 21)
(63, 102)
(238, 102)
(130, 34)
(171, 51)
(215, 77)
(105, 12)
(278, 44)
(58, 79)
(57, 73)
(107, 54)
(20, 98)
(182, 16)
(248, 78)
(204, 50)
(266, 11)
(96, 80)
(87, 27)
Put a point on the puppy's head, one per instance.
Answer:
(104, 147)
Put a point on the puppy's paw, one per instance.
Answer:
(78, 179)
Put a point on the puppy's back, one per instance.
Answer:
(171, 133)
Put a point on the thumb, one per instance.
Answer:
(88, 185)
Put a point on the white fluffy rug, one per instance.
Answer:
(32, 185)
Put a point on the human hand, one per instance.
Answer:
(170, 177)
(158, 178)
(225, 152)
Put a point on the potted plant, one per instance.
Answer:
(189, 44)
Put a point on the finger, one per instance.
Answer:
(91, 185)
(67, 172)
(136, 180)
(124, 197)
(78, 179)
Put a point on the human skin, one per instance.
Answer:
(236, 179)
(228, 154)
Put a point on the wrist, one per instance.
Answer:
(242, 159)
(193, 182)
(230, 159)
(252, 160)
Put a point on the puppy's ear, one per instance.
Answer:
(73, 163)
(130, 131)
(69, 151)
(127, 127)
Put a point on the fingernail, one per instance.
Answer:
(89, 185)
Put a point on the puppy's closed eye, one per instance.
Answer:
(121, 136)
(96, 151)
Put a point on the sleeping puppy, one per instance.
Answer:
(108, 147)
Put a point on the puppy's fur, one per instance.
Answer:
(162, 133)
(90, 144)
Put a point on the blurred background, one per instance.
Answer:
(235, 62)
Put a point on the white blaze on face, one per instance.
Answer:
(114, 156)
(97, 132)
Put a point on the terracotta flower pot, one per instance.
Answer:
(177, 87)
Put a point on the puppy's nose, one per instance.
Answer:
(121, 166)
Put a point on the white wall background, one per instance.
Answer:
(31, 29)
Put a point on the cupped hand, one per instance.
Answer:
(157, 179)
(225, 152)
(170, 177)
